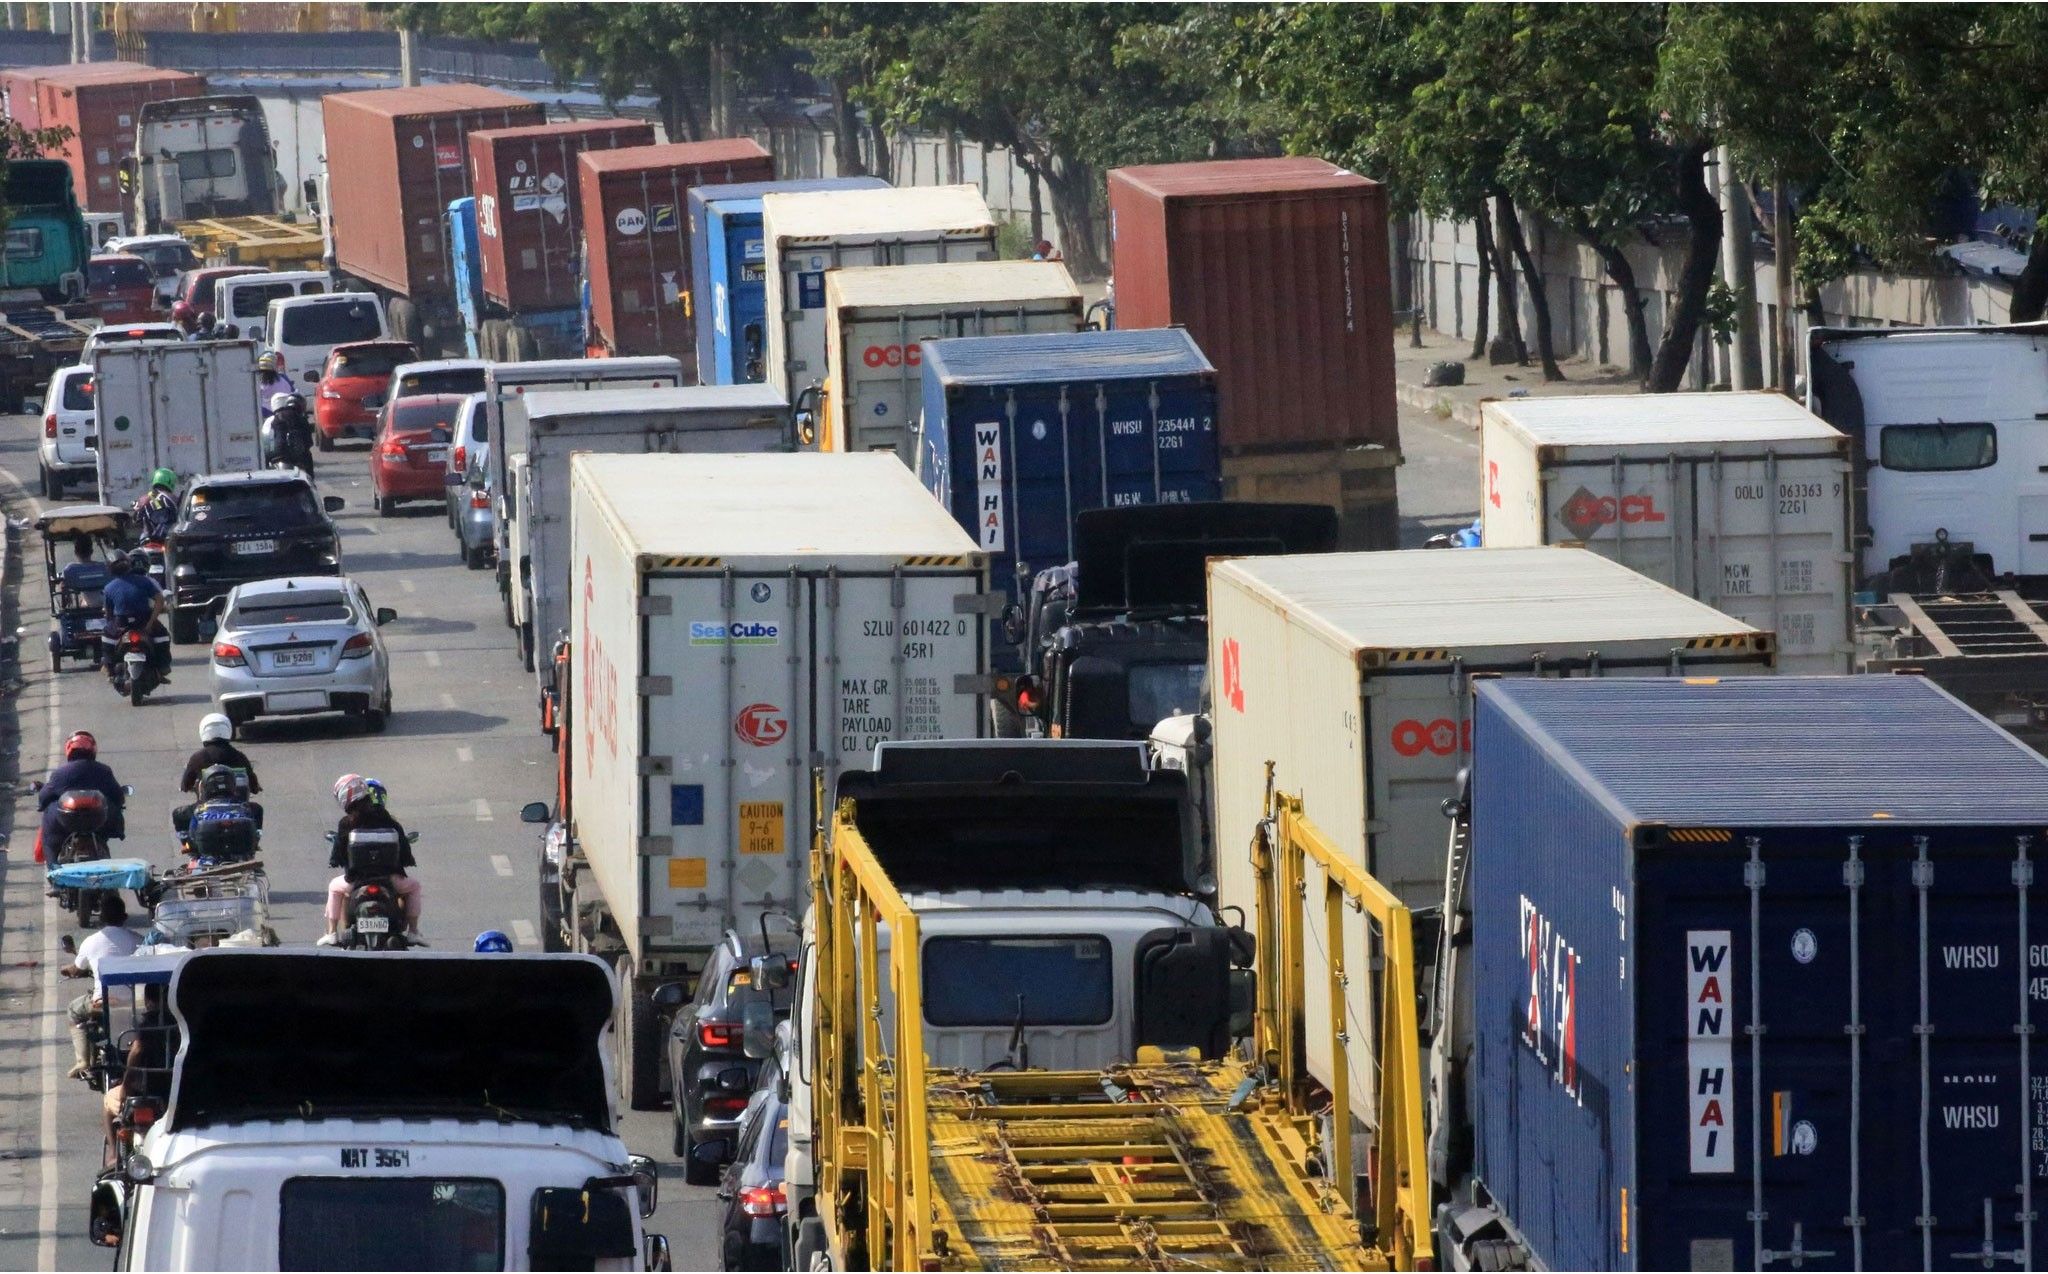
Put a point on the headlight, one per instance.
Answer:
(140, 1169)
(186, 572)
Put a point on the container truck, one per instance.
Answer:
(529, 229)
(1015, 1024)
(186, 406)
(559, 423)
(636, 237)
(1278, 268)
(736, 621)
(44, 314)
(1750, 980)
(727, 274)
(474, 1128)
(805, 235)
(876, 317)
(1739, 500)
(102, 103)
(204, 168)
(1350, 674)
(403, 157)
(505, 388)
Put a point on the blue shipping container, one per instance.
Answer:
(1756, 974)
(728, 290)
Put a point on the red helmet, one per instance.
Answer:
(81, 745)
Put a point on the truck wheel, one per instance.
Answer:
(50, 487)
(405, 320)
(526, 645)
(639, 1073)
(1005, 722)
(326, 443)
(520, 348)
(810, 1245)
(184, 627)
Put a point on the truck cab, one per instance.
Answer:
(46, 249)
(201, 157)
(382, 1111)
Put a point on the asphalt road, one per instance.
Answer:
(462, 754)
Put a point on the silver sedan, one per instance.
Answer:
(308, 643)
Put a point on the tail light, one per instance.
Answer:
(333, 394)
(357, 647)
(479, 499)
(142, 1114)
(763, 1201)
(725, 1105)
(718, 1034)
(132, 640)
(228, 655)
(392, 451)
(50, 425)
(458, 459)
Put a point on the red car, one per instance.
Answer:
(410, 458)
(353, 387)
(121, 287)
(195, 291)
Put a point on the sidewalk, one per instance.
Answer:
(1460, 403)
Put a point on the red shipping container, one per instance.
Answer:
(396, 158)
(18, 88)
(1278, 269)
(636, 229)
(528, 215)
(101, 103)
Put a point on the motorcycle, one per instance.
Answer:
(134, 668)
(287, 447)
(374, 918)
(82, 817)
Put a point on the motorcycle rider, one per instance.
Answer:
(82, 769)
(112, 938)
(134, 600)
(215, 748)
(271, 378)
(493, 942)
(156, 512)
(363, 809)
(291, 433)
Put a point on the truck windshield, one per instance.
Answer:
(203, 165)
(390, 1223)
(1942, 448)
(1157, 691)
(118, 272)
(1061, 980)
(329, 323)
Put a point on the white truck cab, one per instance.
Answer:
(359, 1110)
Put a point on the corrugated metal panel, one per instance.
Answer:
(1659, 419)
(529, 218)
(1279, 269)
(1037, 359)
(883, 211)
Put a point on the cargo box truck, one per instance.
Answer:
(737, 622)
(876, 317)
(1739, 500)
(186, 406)
(803, 236)
(727, 274)
(1749, 969)
(636, 239)
(1350, 674)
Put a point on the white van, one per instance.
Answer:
(301, 330)
(243, 301)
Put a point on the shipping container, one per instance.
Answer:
(528, 215)
(727, 273)
(1020, 433)
(187, 406)
(1351, 674)
(101, 103)
(877, 316)
(639, 421)
(1754, 974)
(804, 235)
(396, 159)
(636, 233)
(737, 621)
(1279, 269)
(1739, 500)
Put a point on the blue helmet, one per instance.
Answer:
(493, 940)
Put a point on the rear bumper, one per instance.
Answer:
(350, 688)
(411, 484)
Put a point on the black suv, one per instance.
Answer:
(710, 1075)
(237, 527)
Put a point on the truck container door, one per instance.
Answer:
(1625, 509)
(895, 649)
(1770, 546)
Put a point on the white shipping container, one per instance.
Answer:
(875, 317)
(1739, 500)
(1351, 673)
(734, 621)
(804, 235)
(697, 419)
(187, 406)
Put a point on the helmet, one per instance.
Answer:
(166, 478)
(214, 727)
(493, 940)
(119, 564)
(79, 745)
(182, 312)
(281, 400)
(266, 362)
(375, 790)
(350, 788)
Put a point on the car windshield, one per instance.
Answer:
(125, 273)
(390, 1223)
(377, 361)
(292, 606)
(329, 323)
(281, 504)
(1061, 980)
(249, 300)
(166, 259)
(446, 380)
(78, 393)
(421, 417)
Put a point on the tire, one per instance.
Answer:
(526, 645)
(810, 1245)
(405, 320)
(639, 1068)
(184, 627)
(1005, 722)
(136, 690)
(376, 719)
(325, 443)
(52, 489)
(680, 1145)
(383, 506)
(474, 558)
(520, 347)
(56, 661)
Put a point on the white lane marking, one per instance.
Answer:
(483, 811)
(501, 864)
(433, 659)
(464, 755)
(405, 585)
(447, 700)
(525, 935)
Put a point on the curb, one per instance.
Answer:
(1437, 403)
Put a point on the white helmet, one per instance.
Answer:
(215, 728)
(281, 400)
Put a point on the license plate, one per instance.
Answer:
(292, 659)
(437, 455)
(255, 546)
(373, 924)
(95, 625)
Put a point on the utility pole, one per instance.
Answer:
(1738, 266)
(1787, 255)
(408, 57)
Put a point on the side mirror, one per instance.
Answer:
(757, 1030)
(105, 1223)
(735, 1079)
(385, 615)
(772, 972)
(712, 1153)
(645, 1181)
(312, 378)
(669, 995)
(534, 812)
(70, 946)
(1244, 949)
(658, 1259)
(127, 789)
(333, 503)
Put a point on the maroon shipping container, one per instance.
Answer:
(18, 88)
(101, 103)
(528, 215)
(1278, 269)
(636, 229)
(396, 158)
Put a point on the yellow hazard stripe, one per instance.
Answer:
(1418, 656)
(1731, 641)
(936, 559)
(679, 563)
(1701, 835)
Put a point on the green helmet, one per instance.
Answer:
(163, 478)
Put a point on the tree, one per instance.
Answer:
(848, 48)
